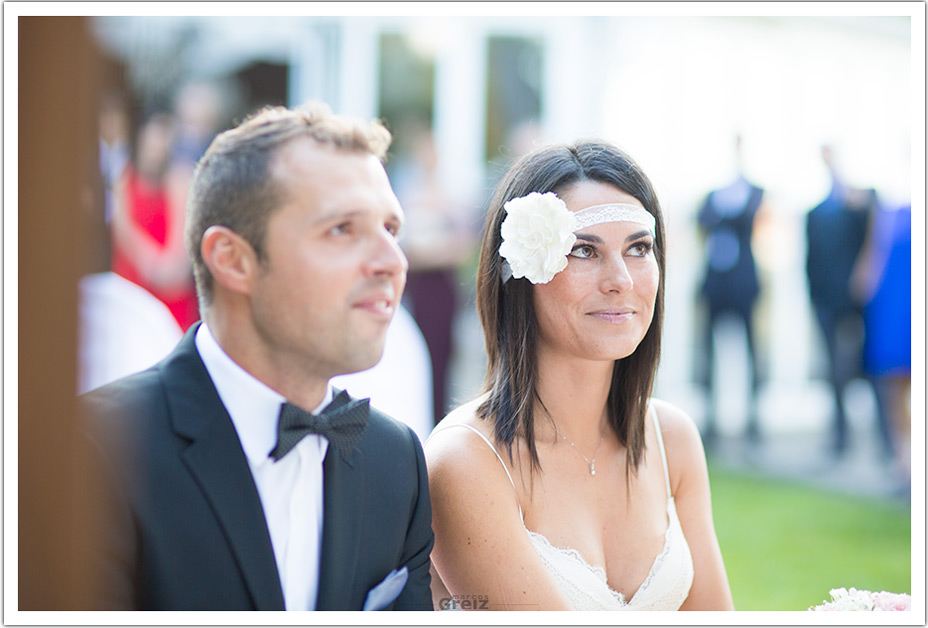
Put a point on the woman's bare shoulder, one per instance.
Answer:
(674, 420)
(481, 544)
(465, 413)
(455, 449)
(682, 441)
(449, 428)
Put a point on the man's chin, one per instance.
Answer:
(361, 364)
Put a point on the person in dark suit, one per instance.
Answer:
(836, 230)
(730, 287)
(231, 475)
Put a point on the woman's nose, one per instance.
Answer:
(616, 277)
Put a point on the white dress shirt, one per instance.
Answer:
(291, 488)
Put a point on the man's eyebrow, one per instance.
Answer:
(336, 215)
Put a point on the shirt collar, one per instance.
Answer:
(252, 405)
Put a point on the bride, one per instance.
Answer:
(565, 486)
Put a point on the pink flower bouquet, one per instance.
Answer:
(853, 600)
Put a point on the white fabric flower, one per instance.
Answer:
(537, 236)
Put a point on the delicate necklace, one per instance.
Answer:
(590, 463)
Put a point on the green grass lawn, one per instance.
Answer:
(786, 545)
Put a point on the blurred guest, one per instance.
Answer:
(198, 116)
(148, 224)
(883, 280)
(835, 232)
(114, 143)
(123, 330)
(437, 239)
(198, 111)
(730, 286)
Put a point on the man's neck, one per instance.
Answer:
(300, 387)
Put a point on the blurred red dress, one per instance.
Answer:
(148, 210)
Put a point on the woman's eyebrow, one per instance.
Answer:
(589, 238)
(635, 236)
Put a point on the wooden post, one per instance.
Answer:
(57, 161)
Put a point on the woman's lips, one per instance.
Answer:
(613, 316)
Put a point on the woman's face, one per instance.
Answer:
(600, 306)
(154, 150)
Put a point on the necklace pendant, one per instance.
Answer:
(593, 468)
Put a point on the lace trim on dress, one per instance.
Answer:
(672, 574)
(659, 559)
(574, 555)
(601, 571)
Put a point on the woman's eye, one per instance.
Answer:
(641, 249)
(340, 228)
(392, 229)
(583, 251)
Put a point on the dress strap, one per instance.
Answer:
(660, 445)
(498, 457)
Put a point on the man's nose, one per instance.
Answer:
(386, 256)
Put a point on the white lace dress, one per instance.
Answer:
(664, 589)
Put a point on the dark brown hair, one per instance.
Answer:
(232, 185)
(507, 311)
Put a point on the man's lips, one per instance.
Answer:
(380, 304)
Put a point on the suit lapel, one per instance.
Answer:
(216, 460)
(343, 487)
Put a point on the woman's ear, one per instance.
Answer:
(231, 260)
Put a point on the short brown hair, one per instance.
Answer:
(233, 186)
(507, 311)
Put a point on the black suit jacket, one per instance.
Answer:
(181, 525)
(835, 234)
(735, 288)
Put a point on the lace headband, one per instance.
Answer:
(614, 212)
(538, 233)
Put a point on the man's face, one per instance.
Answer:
(333, 273)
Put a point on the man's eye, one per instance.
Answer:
(340, 228)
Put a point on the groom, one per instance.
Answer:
(218, 489)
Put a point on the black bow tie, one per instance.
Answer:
(342, 422)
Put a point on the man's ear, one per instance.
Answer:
(231, 260)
